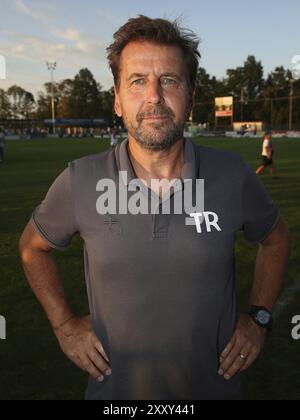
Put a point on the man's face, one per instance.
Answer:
(153, 97)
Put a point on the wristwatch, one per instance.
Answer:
(261, 316)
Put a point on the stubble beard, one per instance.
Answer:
(155, 135)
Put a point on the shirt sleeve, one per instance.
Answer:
(260, 213)
(54, 219)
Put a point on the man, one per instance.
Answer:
(163, 318)
(2, 144)
(267, 156)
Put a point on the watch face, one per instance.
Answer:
(263, 317)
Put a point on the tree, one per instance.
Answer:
(108, 99)
(250, 77)
(245, 84)
(279, 81)
(253, 77)
(21, 102)
(207, 88)
(5, 110)
(275, 111)
(86, 96)
(81, 97)
(65, 99)
(43, 111)
(235, 82)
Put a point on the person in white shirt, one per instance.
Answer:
(113, 138)
(267, 156)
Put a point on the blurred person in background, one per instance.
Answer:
(2, 144)
(267, 156)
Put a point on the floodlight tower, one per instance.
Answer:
(51, 65)
(292, 81)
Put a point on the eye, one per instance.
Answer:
(168, 82)
(138, 82)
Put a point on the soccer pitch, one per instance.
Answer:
(32, 365)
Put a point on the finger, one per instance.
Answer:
(99, 362)
(238, 363)
(230, 358)
(253, 356)
(90, 368)
(100, 348)
(228, 348)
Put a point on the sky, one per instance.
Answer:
(76, 33)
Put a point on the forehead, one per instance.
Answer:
(145, 57)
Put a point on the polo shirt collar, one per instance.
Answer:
(188, 169)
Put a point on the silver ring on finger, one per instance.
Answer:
(243, 357)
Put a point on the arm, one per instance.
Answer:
(271, 264)
(76, 336)
(249, 338)
(43, 277)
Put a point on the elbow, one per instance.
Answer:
(31, 246)
(280, 238)
(24, 250)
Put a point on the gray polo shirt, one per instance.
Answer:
(161, 295)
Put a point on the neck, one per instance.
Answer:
(162, 164)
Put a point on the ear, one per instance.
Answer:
(117, 106)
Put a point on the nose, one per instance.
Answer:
(154, 92)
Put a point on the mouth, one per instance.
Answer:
(156, 118)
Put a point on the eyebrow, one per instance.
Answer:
(174, 75)
(167, 74)
(133, 75)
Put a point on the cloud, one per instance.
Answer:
(68, 44)
(70, 47)
(70, 34)
(80, 42)
(41, 12)
(33, 48)
(23, 8)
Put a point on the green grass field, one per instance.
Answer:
(32, 366)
